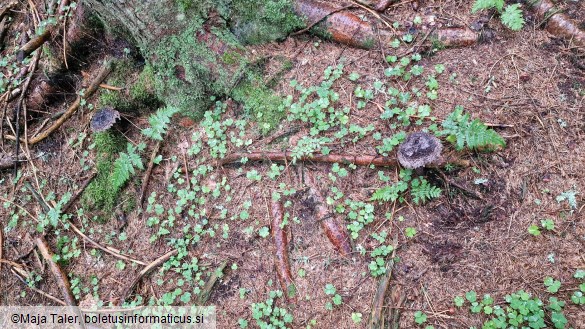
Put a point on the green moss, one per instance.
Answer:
(260, 104)
(141, 96)
(100, 194)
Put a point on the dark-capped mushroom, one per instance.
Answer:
(418, 150)
(104, 119)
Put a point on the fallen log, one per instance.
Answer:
(558, 23)
(335, 232)
(281, 261)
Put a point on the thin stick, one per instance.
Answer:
(148, 172)
(145, 271)
(60, 276)
(107, 250)
(38, 291)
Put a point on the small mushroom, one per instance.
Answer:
(418, 150)
(104, 119)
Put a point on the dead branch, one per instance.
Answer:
(60, 276)
(281, 261)
(557, 23)
(148, 172)
(456, 37)
(358, 160)
(208, 287)
(335, 232)
(157, 262)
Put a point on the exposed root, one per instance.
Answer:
(281, 255)
(335, 232)
(148, 173)
(343, 27)
(557, 23)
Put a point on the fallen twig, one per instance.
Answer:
(60, 276)
(335, 232)
(148, 172)
(114, 253)
(38, 291)
(358, 160)
(557, 23)
(281, 261)
(208, 287)
(157, 262)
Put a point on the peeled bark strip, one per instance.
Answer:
(558, 24)
(281, 256)
(335, 232)
(343, 27)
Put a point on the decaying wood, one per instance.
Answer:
(208, 287)
(558, 23)
(336, 233)
(358, 160)
(60, 276)
(281, 261)
(377, 319)
(148, 172)
(156, 263)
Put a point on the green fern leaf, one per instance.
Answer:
(124, 166)
(421, 191)
(487, 4)
(512, 17)
(159, 122)
(473, 135)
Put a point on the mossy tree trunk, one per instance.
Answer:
(196, 47)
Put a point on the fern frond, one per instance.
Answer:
(124, 166)
(158, 122)
(487, 4)
(473, 135)
(512, 17)
(390, 192)
(421, 191)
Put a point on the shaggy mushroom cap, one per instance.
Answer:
(418, 150)
(104, 119)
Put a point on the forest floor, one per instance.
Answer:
(528, 86)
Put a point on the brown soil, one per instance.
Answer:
(537, 86)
